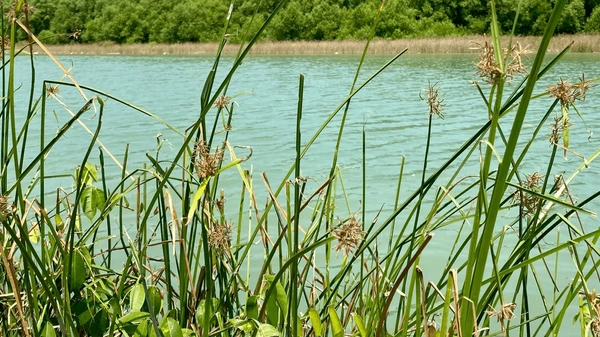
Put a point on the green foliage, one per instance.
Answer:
(593, 23)
(163, 21)
(573, 18)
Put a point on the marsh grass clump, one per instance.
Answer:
(146, 251)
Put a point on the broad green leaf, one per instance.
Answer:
(99, 199)
(267, 330)
(90, 174)
(48, 330)
(315, 319)
(137, 297)
(134, 317)
(34, 235)
(78, 272)
(87, 202)
(142, 329)
(299, 325)
(187, 332)
(173, 313)
(82, 311)
(360, 325)
(92, 200)
(272, 311)
(336, 324)
(274, 306)
(155, 299)
(242, 324)
(280, 294)
(59, 223)
(252, 307)
(202, 307)
(170, 328)
(99, 324)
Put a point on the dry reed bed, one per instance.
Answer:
(453, 45)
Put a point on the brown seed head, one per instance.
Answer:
(222, 102)
(489, 68)
(28, 8)
(219, 237)
(206, 163)
(5, 42)
(220, 203)
(563, 91)
(52, 90)
(514, 59)
(569, 93)
(435, 101)
(5, 206)
(349, 235)
(560, 124)
(505, 313)
(527, 201)
(582, 87)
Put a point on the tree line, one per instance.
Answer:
(170, 21)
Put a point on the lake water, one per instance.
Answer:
(389, 109)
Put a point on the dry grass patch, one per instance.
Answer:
(447, 45)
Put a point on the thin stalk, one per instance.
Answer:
(297, 202)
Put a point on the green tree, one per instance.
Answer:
(290, 23)
(590, 5)
(593, 23)
(70, 18)
(573, 18)
(324, 21)
(357, 22)
(120, 21)
(42, 16)
(198, 20)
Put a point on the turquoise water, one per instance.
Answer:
(265, 91)
(389, 110)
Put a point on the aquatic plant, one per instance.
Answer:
(69, 267)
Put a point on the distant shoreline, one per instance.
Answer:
(448, 45)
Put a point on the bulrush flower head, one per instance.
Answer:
(490, 69)
(435, 101)
(5, 206)
(222, 102)
(219, 237)
(206, 163)
(349, 235)
(527, 201)
(569, 93)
